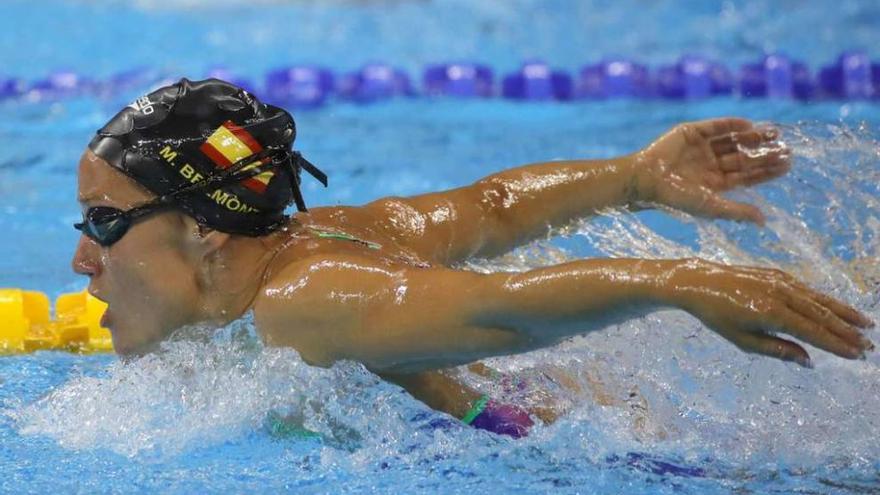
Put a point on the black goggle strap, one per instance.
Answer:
(154, 206)
(294, 185)
(234, 173)
(297, 161)
(237, 173)
(310, 168)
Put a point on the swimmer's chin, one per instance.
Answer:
(128, 353)
(132, 349)
(128, 350)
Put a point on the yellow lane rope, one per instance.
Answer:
(26, 325)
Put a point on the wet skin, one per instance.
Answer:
(404, 311)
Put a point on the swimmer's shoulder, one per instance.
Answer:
(361, 229)
(390, 218)
(299, 306)
(358, 217)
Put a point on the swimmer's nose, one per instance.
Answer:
(86, 260)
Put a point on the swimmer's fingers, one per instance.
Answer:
(842, 310)
(846, 312)
(745, 162)
(704, 202)
(788, 306)
(718, 127)
(752, 140)
(820, 314)
(746, 157)
(755, 175)
(739, 212)
(769, 345)
(746, 304)
(814, 333)
(750, 157)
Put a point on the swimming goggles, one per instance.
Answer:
(106, 224)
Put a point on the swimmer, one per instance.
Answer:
(184, 195)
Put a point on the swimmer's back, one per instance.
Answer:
(346, 230)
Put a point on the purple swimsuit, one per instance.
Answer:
(502, 419)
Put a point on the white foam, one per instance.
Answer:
(702, 396)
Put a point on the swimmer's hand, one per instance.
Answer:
(691, 165)
(748, 306)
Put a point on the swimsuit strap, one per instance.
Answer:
(343, 236)
(475, 410)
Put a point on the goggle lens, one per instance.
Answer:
(104, 224)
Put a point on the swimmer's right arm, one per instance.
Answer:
(402, 320)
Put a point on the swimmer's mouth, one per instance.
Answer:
(94, 294)
(106, 322)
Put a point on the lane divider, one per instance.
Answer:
(851, 76)
(26, 326)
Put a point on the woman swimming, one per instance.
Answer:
(184, 191)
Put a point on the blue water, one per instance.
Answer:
(197, 417)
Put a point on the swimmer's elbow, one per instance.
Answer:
(494, 199)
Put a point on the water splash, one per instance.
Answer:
(699, 396)
(202, 386)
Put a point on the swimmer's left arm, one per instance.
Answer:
(403, 319)
(687, 168)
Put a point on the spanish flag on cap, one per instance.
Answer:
(230, 143)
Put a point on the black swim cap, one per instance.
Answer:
(198, 132)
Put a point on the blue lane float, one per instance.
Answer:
(613, 78)
(875, 78)
(131, 79)
(301, 86)
(776, 76)
(850, 77)
(11, 87)
(374, 82)
(536, 81)
(853, 76)
(224, 73)
(692, 77)
(458, 79)
(124, 86)
(60, 84)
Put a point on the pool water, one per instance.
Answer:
(688, 412)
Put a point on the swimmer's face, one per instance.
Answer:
(148, 278)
